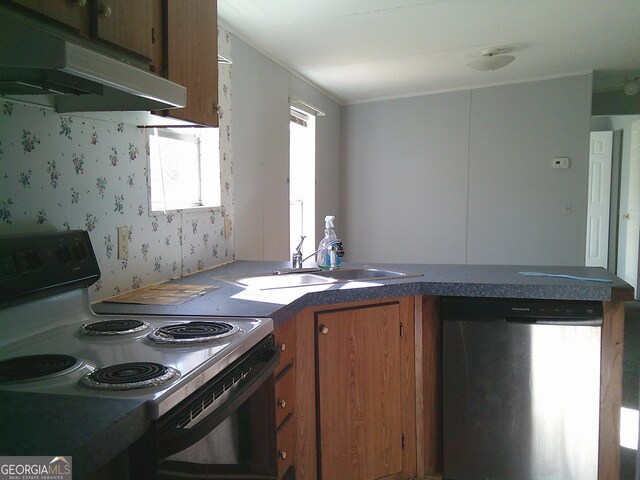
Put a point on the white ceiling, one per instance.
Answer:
(363, 50)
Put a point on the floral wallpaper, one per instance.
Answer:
(61, 172)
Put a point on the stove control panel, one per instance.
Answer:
(45, 264)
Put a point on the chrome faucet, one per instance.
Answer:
(335, 250)
(296, 258)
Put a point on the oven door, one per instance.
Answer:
(227, 427)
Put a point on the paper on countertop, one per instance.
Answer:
(163, 294)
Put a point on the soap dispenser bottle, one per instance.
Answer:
(324, 255)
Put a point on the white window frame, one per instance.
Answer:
(206, 165)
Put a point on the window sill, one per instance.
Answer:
(194, 209)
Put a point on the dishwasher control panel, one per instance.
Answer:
(460, 308)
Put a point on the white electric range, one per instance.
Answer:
(52, 342)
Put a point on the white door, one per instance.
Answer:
(632, 217)
(601, 144)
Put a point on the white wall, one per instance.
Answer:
(515, 197)
(404, 180)
(261, 92)
(466, 177)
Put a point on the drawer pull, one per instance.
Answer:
(283, 346)
(282, 403)
(282, 454)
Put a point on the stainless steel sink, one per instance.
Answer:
(269, 280)
(292, 278)
(361, 273)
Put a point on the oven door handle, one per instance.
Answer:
(176, 439)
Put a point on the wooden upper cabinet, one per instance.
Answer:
(126, 24)
(191, 60)
(72, 13)
(360, 392)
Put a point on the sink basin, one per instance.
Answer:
(269, 280)
(361, 273)
(287, 279)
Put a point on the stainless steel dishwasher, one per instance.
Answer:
(521, 389)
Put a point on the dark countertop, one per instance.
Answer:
(502, 281)
(93, 430)
(90, 430)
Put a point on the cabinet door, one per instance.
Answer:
(126, 24)
(73, 13)
(359, 391)
(192, 58)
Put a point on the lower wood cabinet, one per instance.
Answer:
(285, 394)
(355, 408)
(359, 392)
(285, 441)
(285, 375)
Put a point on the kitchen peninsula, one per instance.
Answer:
(303, 315)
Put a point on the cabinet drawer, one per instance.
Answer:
(285, 394)
(285, 443)
(285, 340)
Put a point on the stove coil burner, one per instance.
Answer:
(34, 366)
(193, 332)
(120, 326)
(129, 376)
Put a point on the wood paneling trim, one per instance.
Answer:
(611, 390)
(419, 386)
(432, 386)
(408, 386)
(305, 416)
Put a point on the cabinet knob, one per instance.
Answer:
(626, 216)
(105, 11)
(282, 454)
(283, 346)
(324, 329)
(282, 403)
(81, 3)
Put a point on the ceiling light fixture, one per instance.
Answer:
(491, 59)
(632, 87)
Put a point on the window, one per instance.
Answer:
(184, 169)
(302, 179)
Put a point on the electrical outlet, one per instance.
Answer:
(227, 226)
(123, 243)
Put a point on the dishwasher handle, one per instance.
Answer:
(557, 321)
